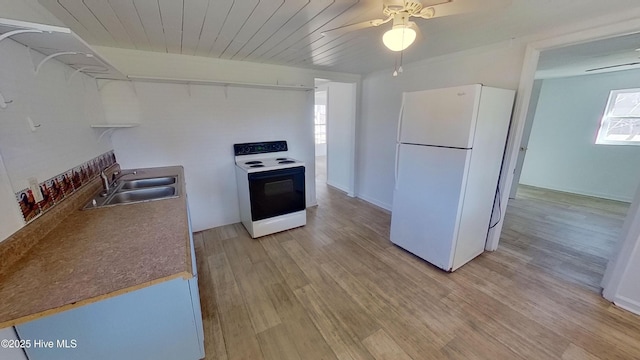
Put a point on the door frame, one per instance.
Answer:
(526, 133)
(525, 90)
(351, 191)
(320, 89)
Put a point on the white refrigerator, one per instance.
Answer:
(448, 158)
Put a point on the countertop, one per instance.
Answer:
(95, 254)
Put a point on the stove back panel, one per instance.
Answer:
(259, 147)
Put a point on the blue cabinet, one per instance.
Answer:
(193, 287)
(160, 322)
(157, 322)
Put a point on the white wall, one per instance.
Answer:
(198, 130)
(64, 111)
(196, 126)
(562, 154)
(177, 66)
(498, 65)
(526, 133)
(621, 278)
(629, 289)
(341, 109)
(61, 107)
(11, 221)
(9, 211)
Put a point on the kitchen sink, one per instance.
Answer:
(147, 183)
(136, 191)
(145, 194)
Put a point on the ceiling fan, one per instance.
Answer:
(403, 31)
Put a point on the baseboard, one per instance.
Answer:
(583, 193)
(375, 202)
(341, 188)
(627, 304)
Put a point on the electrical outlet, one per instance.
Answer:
(35, 188)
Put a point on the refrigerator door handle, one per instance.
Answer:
(397, 164)
(400, 119)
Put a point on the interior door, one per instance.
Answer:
(442, 117)
(526, 133)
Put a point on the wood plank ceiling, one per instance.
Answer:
(288, 32)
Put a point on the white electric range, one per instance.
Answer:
(271, 188)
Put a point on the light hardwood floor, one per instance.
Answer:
(338, 289)
(566, 235)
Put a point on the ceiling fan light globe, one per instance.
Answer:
(399, 37)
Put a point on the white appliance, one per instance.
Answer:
(271, 188)
(448, 158)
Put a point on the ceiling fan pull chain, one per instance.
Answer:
(395, 67)
(400, 70)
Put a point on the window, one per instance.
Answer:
(321, 124)
(621, 120)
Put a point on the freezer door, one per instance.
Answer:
(442, 117)
(427, 201)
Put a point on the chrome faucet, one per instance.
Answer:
(118, 174)
(105, 184)
(108, 185)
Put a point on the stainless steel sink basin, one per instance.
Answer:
(136, 191)
(147, 183)
(145, 194)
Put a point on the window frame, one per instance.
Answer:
(320, 120)
(605, 120)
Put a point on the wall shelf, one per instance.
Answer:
(61, 43)
(113, 126)
(219, 83)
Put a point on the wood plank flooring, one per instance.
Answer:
(338, 289)
(566, 235)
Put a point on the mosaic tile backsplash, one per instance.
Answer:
(60, 186)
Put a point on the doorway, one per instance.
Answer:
(571, 193)
(623, 266)
(334, 133)
(320, 134)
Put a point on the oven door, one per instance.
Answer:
(276, 192)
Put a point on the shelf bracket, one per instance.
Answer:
(16, 32)
(105, 132)
(108, 129)
(77, 71)
(59, 54)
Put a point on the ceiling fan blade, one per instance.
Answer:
(393, 3)
(419, 34)
(456, 7)
(353, 27)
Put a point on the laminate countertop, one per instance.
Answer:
(95, 254)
